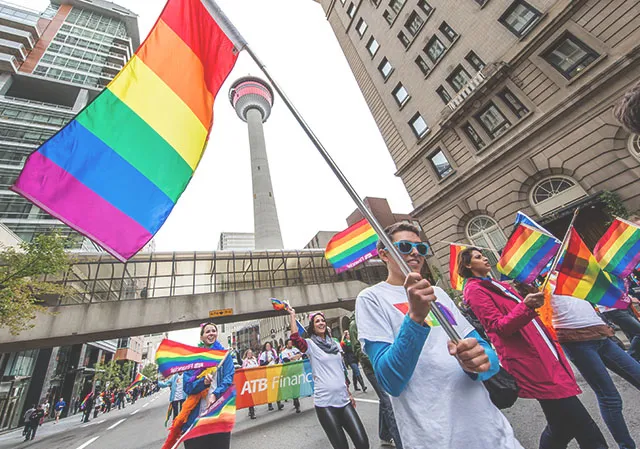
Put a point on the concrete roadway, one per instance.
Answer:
(141, 426)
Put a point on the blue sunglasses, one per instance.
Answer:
(405, 247)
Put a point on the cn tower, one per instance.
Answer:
(252, 99)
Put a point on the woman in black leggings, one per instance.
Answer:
(334, 404)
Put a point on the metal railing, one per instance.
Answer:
(100, 277)
(468, 88)
(38, 103)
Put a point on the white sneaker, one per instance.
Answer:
(389, 443)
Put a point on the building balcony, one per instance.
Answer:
(8, 63)
(13, 48)
(16, 35)
(468, 88)
(37, 104)
(24, 24)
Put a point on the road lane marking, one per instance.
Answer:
(133, 413)
(117, 424)
(88, 443)
(371, 401)
(145, 405)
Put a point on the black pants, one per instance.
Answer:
(335, 420)
(213, 441)
(31, 431)
(568, 419)
(176, 406)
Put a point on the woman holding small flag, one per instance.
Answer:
(334, 404)
(527, 351)
(250, 361)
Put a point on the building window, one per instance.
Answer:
(492, 120)
(434, 49)
(404, 40)
(351, 10)
(513, 103)
(481, 2)
(440, 164)
(458, 78)
(555, 192)
(396, 5)
(373, 46)
(570, 56)
(361, 27)
(418, 125)
(474, 61)
(484, 232)
(634, 145)
(401, 95)
(443, 94)
(473, 135)
(388, 17)
(426, 7)
(385, 68)
(520, 17)
(414, 23)
(422, 64)
(448, 32)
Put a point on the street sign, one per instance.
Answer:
(220, 312)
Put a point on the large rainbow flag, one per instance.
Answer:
(579, 275)
(266, 384)
(220, 417)
(115, 172)
(527, 253)
(137, 380)
(456, 280)
(352, 246)
(618, 251)
(173, 357)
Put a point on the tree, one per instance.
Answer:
(22, 287)
(150, 371)
(109, 375)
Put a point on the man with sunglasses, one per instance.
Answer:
(437, 394)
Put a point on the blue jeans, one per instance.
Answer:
(630, 326)
(592, 358)
(387, 427)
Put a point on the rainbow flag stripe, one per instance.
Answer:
(220, 418)
(173, 357)
(579, 275)
(455, 279)
(115, 172)
(618, 251)
(137, 380)
(527, 253)
(278, 304)
(352, 246)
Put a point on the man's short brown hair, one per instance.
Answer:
(398, 227)
(627, 111)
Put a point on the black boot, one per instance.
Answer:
(355, 383)
(252, 413)
(364, 388)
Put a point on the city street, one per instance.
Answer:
(141, 426)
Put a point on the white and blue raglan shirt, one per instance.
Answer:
(436, 403)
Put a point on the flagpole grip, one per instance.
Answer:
(388, 244)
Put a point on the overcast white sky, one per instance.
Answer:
(295, 41)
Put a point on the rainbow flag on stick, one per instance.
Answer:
(137, 380)
(352, 246)
(220, 417)
(618, 251)
(527, 253)
(173, 357)
(456, 280)
(279, 304)
(115, 172)
(84, 401)
(579, 275)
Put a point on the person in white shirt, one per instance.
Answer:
(269, 356)
(290, 354)
(250, 361)
(435, 385)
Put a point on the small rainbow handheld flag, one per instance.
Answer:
(137, 380)
(116, 171)
(220, 417)
(456, 280)
(352, 246)
(279, 304)
(173, 357)
(579, 275)
(618, 251)
(527, 253)
(86, 398)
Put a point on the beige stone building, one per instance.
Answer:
(490, 107)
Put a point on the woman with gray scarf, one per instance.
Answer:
(334, 404)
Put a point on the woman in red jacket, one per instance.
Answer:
(528, 352)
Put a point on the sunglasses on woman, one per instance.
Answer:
(405, 247)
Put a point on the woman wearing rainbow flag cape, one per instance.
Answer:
(203, 391)
(529, 353)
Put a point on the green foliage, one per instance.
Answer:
(613, 206)
(21, 286)
(109, 375)
(150, 371)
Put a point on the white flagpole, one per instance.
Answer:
(556, 259)
(234, 35)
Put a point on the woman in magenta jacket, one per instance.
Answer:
(528, 352)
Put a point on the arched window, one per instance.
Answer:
(555, 192)
(484, 232)
(634, 146)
